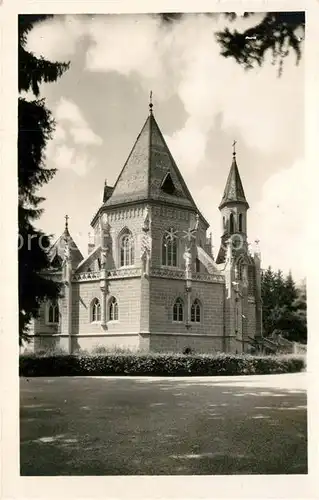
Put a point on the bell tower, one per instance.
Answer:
(233, 208)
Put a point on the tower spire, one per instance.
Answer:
(151, 102)
(234, 191)
(234, 148)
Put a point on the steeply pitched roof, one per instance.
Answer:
(234, 191)
(56, 252)
(150, 172)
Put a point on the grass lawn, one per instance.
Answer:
(155, 426)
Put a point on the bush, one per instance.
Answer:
(157, 364)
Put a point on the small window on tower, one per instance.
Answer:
(197, 265)
(240, 222)
(231, 223)
(168, 185)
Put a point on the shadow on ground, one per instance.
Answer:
(111, 426)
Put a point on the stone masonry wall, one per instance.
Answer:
(127, 293)
(164, 292)
(177, 343)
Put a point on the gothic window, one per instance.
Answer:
(197, 265)
(169, 250)
(113, 309)
(224, 223)
(53, 313)
(195, 311)
(231, 223)
(178, 310)
(95, 310)
(126, 249)
(240, 222)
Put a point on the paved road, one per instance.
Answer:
(155, 426)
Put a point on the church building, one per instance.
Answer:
(150, 281)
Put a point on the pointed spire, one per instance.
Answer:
(234, 148)
(234, 191)
(151, 183)
(66, 228)
(151, 103)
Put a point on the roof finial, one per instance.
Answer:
(151, 102)
(66, 222)
(234, 148)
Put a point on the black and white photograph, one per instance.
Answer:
(162, 244)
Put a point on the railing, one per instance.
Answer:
(179, 274)
(158, 272)
(88, 276)
(211, 278)
(165, 272)
(125, 272)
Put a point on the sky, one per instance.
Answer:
(202, 102)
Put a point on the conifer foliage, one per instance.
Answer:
(35, 126)
(277, 33)
(284, 306)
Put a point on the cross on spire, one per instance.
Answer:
(234, 148)
(66, 221)
(151, 102)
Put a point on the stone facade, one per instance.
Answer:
(150, 281)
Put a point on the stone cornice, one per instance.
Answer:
(135, 209)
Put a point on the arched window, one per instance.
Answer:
(169, 250)
(231, 223)
(53, 313)
(95, 310)
(113, 309)
(178, 310)
(195, 311)
(224, 223)
(240, 222)
(126, 249)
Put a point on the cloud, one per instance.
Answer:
(279, 220)
(124, 44)
(67, 113)
(84, 135)
(188, 146)
(184, 59)
(56, 39)
(66, 157)
(71, 138)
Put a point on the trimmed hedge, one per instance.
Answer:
(154, 364)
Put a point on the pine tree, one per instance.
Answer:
(35, 127)
(284, 307)
(277, 33)
(290, 291)
(268, 299)
(300, 312)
